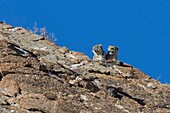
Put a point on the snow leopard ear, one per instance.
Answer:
(100, 45)
(116, 48)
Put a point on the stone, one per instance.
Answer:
(151, 85)
(52, 79)
(9, 87)
(83, 98)
(89, 77)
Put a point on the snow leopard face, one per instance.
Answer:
(98, 49)
(113, 50)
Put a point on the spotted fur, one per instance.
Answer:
(99, 54)
(112, 53)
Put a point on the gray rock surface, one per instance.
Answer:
(37, 76)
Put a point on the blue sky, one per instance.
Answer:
(140, 28)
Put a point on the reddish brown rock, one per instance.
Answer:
(9, 87)
(37, 76)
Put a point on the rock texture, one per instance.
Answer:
(37, 76)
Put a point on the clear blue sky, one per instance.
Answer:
(140, 28)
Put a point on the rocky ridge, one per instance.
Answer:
(37, 76)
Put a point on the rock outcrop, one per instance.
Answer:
(37, 76)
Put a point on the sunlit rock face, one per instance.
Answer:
(38, 76)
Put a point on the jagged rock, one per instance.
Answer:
(37, 76)
(152, 86)
(83, 98)
(89, 77)
(9, 87)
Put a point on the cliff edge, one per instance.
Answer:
(37, 76)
